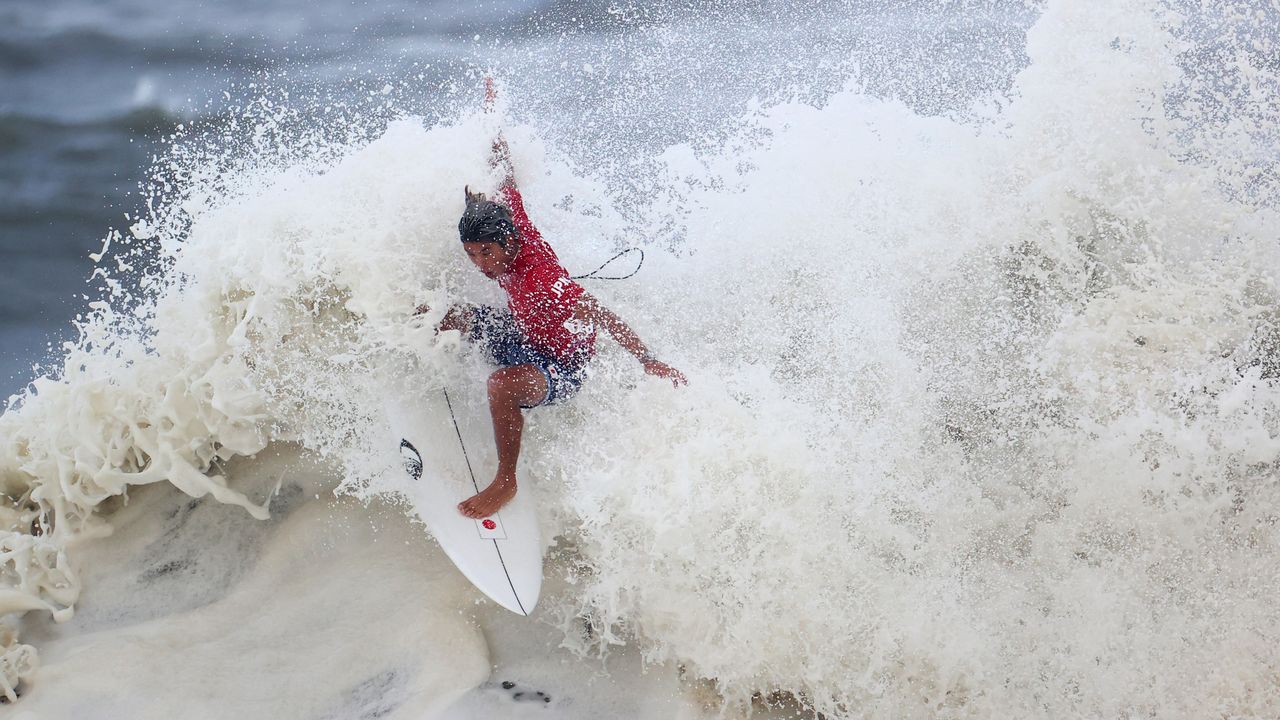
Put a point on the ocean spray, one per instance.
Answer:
(983, 411)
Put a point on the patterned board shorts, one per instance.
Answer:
(495, 330)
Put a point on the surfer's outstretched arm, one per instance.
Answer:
(457, 317)
(590, 310)
(501, 155)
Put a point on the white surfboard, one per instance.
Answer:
(446, 446)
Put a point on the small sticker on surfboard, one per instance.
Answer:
(491, 528)
(412, 459)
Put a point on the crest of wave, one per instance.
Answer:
(986, 413)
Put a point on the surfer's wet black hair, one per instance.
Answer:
(486, 221)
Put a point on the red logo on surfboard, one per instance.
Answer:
(489, 524)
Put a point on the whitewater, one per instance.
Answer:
(983, 416)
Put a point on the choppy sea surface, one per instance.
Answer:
(978, 302)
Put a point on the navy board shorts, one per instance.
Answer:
(495, 330)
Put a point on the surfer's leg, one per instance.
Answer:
(510, 389)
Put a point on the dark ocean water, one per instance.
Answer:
(90, 90)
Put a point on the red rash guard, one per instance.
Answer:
(540, 294)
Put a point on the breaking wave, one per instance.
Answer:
(984, 411)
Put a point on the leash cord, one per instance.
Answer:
(593, 276)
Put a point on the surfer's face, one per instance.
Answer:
(491, 258)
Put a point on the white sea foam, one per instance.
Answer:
(331, 610)
(984, 413)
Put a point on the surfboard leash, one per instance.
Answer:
(593, 276)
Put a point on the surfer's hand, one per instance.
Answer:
(500, 157)
(501, 153)
(458, 318)
(657, 368)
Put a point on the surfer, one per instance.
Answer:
(545, 336)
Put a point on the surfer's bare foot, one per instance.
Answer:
(491, 499)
